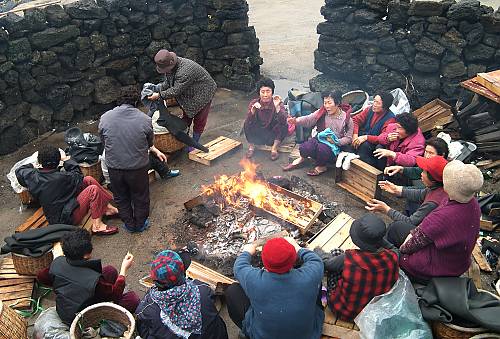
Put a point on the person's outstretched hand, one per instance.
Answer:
(126, 263)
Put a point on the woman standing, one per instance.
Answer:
(266, 120)
(335, 128)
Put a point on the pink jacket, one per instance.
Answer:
(406, 150)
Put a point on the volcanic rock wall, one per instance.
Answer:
(60, 64)
(425, 46)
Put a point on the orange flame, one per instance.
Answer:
(257, 192)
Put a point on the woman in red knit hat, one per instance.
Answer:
(279, 301)
(429, 197)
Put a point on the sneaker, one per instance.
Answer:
(171, 174)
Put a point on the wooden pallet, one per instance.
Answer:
(433, 114)
(480, 259)
(217, 148)
(476, 87)
(334, 235)
(14, 287)
(38, 220)
(336, 328)
(283, 148)
(361, 179)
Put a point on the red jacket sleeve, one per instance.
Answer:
(105, 290)
(359, 119)
(44, 277)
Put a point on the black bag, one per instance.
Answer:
(301, 104)
(83, 147)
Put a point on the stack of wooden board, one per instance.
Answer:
(433, 114)
(14, 287)
(38, 220)
(216, 148)
(361, 179)
(334, 235)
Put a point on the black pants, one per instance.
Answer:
(131, 194)
(158, 165)
(398, 231)
(365, 152)
(237, 303)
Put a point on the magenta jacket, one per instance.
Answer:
(407, 150)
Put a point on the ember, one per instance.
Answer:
(229, 191)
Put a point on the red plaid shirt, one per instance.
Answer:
(365, 276)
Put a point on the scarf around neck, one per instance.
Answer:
(180, 308)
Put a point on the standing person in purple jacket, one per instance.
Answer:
(442, 244)
(331, 116)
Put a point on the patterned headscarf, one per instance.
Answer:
(167, 270)
(180, 301)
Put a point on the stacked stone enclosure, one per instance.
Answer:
(61, 64)
(427, 46)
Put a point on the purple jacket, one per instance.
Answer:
(453, 228)
(406, 150)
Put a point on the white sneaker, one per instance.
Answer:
(340, 158)
(347, 161)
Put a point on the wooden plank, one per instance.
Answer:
(490, 80)
(205, 274)
(493, 164)
(344, 324)
(335, 331)
(486, 225)
(480, 259)
(366, 167)
(217, 148)
(475, 87)
(18, 287)
(329, 231)
(284, 148)
(14, 276)
(32, 219)
(474, 273)
(330, 317)
(13, 282)
(353, 190)
(348, 245)
(21, 305)
(339, 238)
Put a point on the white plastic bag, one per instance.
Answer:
(394, 314)
(50, 326)
(32, 159)
(400, 103)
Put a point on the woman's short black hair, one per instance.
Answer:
(335, 95)
(408, 121)
(129, 95)
(439, 145)
(387, 100)
(76, 244)
(434, 181)
(265, 82)
(49, 156)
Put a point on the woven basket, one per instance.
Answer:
(94, 170)
(12, 325)
(92, 316)
(31, 266)
(451, 331)
(167, 143)
(26, 197)
(171, 102)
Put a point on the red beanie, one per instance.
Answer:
(278, 256)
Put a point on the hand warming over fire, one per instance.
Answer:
(250, 248)
(377, 206)
(126, 263)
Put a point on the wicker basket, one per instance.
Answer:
(167, 143)
(94, 170)
(31, 266)
(171, 102)
(451, 331)
(26, 197)
(92, 316)
(12, 325)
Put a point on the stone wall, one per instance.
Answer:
(60, 64)
(426, 45)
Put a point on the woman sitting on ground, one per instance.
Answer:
(66, 196)
(428, 198)
(266, 120)
(369, 124)
(355, 276)
(176, 307)
(433, 147)
(330, 118)
(401, 143)
(443, 242)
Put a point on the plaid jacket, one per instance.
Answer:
(365, 276)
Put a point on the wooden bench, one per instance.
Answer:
(14, 288)
(361, 179)
(38, 220)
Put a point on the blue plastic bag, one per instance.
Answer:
(395, 314)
